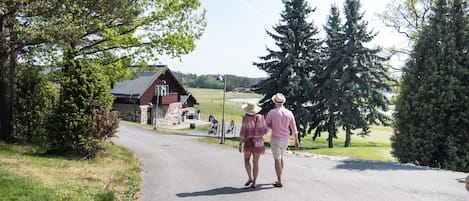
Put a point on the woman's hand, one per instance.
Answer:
(240, 147)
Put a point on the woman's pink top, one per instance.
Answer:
(254, 126)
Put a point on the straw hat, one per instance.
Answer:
(278, 98)
(251, 108)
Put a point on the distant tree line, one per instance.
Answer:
(214, 82)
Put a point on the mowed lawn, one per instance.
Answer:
(211, 103)
(27, 174)
(376, 146)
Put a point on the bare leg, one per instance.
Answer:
(255, 169)
(279, 169)
(247, 166)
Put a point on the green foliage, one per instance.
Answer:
(328, 93)
(355, 75)
(290, 68)
(35, 100)
(407, 17)
(81, 120)
(114, 33)
(211, 82)
(432, 111)
(339, 85)
(24, 32)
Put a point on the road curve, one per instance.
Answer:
(179, 167)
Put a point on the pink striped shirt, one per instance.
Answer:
(281, 120)
(254, 126)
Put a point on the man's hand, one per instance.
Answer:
(467, 183)
(297, 145)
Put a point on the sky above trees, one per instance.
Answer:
(236, 35)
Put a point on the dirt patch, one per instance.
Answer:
(9, 159)
(184, 125)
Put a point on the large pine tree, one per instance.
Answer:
(290, 67)
(432, 109)
(328, 93)
(362, 79)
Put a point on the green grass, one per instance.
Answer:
(211, 102)
(376, 146)
(14, 187)
(361, 148)
(26, 174)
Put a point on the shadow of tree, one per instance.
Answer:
(377, 165)
(225, 191)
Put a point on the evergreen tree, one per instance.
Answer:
(290, 67)
(432, 110)
(84, 89)
(328, 96)
(31, 114)
(98, 29)
(363, 79)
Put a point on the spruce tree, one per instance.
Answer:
(35, 100)
(327, 98)
(290, 67)
(84, 89)
(362, 79)
(432, 109)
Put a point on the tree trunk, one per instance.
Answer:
(297, 120)
(8, 71)
(5, 110)
(348, 136)
(331, 131)
(5, 104)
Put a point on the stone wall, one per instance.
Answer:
(127, 112)
(173, 114)
(135, 113)
(167, 114)
(144, 114)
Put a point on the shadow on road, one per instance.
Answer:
(369, 165)
(225, 190)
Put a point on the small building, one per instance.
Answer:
(155, 96)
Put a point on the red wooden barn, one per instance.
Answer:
(152, 96)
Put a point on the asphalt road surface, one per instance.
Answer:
(179, 167)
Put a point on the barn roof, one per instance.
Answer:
(135, 88)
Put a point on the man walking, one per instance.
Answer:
(281, 121)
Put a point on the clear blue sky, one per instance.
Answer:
(235, 34)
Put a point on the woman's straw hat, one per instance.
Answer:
(251, 108)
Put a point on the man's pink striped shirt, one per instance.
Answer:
(280, 119)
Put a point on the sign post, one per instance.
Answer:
(160, 90)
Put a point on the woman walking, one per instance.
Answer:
(251, 140)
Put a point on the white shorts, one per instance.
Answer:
(278, 147)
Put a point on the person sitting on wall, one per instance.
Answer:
(214, 126)
(231, 127)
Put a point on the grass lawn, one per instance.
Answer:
(211, 102)
(376, 146)
(26, 174)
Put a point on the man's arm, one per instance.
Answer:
(294, 131)
(268, 120)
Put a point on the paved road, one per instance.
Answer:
(182, 168)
